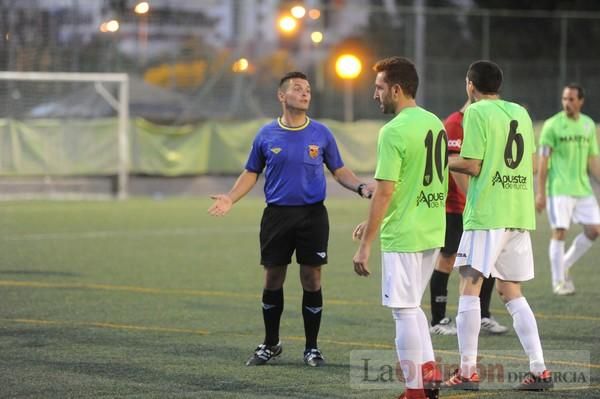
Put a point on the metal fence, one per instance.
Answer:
(222, 59)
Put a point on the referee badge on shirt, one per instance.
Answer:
(313, 150)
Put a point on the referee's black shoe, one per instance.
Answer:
(264, 353)
(313, 357)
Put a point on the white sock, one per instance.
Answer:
(557, 253)
(408, 346)
(468, 324)
(426, 345)
(526, 328)
(580, 245)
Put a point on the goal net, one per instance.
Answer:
(64, 130)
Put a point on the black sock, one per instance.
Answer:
(272, 306)
(439, 295)
(312, 308)
(485, 295)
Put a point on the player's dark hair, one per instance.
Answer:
(486, 76)
(578, 87)
(291, 75)
(399, 71)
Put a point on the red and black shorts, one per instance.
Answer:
(285, 229)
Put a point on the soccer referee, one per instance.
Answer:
(292, 150)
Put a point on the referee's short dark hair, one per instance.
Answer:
(400, 71)
(292, 75)
(486, 76)
(578, 87)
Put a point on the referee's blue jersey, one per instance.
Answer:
(293, 161)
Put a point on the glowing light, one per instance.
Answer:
(348, 66)
(298, 12)
(142, 7)
(316, 37)
(313, 13)
(112, 25)
(173, 156)
(287, 24)
(240, 65)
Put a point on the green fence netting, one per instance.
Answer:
(45, 147)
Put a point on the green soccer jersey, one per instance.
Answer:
(501, 134)
(412, 151)
(572, 142)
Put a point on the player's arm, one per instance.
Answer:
(461, 179)
(348, 179)
(378, 208)
(468, 166)
(224, 202)
(542, 175)
(594, 167)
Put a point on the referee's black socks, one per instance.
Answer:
(439, 296)
(312, 308)
(272, 305)
(487, 287)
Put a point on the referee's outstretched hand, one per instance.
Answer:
(221, 206)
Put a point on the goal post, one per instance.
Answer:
(120, 105)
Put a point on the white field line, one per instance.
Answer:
(130, 327)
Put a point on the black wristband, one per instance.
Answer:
(360, 189)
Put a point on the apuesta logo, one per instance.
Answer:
(514, 182)
(432, 200)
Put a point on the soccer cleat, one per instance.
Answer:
(568, 283)
(491, 326)
(444, 327)
(533, 382)
(413, 394)
(432, 380)
(432, 393)
(563, 288)
(457, 381)
(432, 376)
(313, 358)
(263, 353)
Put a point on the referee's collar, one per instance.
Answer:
(302, 126)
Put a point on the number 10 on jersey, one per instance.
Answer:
(437, 153)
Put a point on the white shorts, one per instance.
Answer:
(563, 208)
(404, 277)
(502, 253)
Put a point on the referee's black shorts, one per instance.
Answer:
(454, 230)
(285, 229)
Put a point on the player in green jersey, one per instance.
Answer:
(497, 153)
(409, 205)
(568, 153)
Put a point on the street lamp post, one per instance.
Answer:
(142, 9)
(348, 67)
